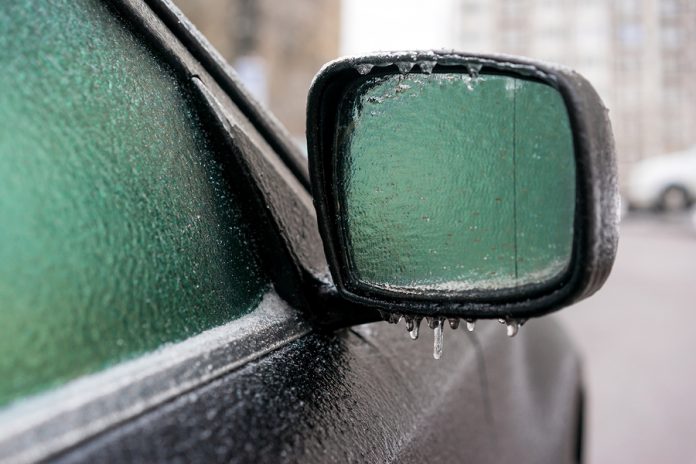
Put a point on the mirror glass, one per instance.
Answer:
(449, 182)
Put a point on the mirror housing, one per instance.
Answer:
(594, 211)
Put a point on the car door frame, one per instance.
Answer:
(275, 173)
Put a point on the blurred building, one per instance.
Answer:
(574, 33)
(639, 55)
(276, 46)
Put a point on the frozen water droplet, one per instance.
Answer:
(427, 66)
(453, 323)
(470, 325)
(438, 339)
(364, 68)
(431, 322)
(404, 66)
(409, 323)
(512, 328)
(474, 69)
(416, 326)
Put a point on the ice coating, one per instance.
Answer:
(364, 68)
(427, 66)
(405, 66)
(433, 202)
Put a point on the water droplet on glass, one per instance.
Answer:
(438, 338)
(453, 323)
(427, 66)
(416, 326)
(470, 325)
(512, 328)
(404, 66)
(364, 68)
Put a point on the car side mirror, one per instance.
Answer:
(467, 186)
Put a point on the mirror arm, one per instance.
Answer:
(336, 312)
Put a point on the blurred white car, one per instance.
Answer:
(666, 182)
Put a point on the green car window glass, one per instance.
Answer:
(118, 232)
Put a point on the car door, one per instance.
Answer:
(163, 279)
(128, 226)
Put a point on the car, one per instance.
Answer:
(177, 284)
(665, 183)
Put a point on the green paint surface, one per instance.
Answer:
(455, 183)
(118, 232)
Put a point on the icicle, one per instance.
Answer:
(438, 338)
(416, 325)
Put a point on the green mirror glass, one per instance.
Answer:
(449, 182)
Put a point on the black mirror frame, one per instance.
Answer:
(596, 214)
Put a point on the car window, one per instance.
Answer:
(118, 230)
